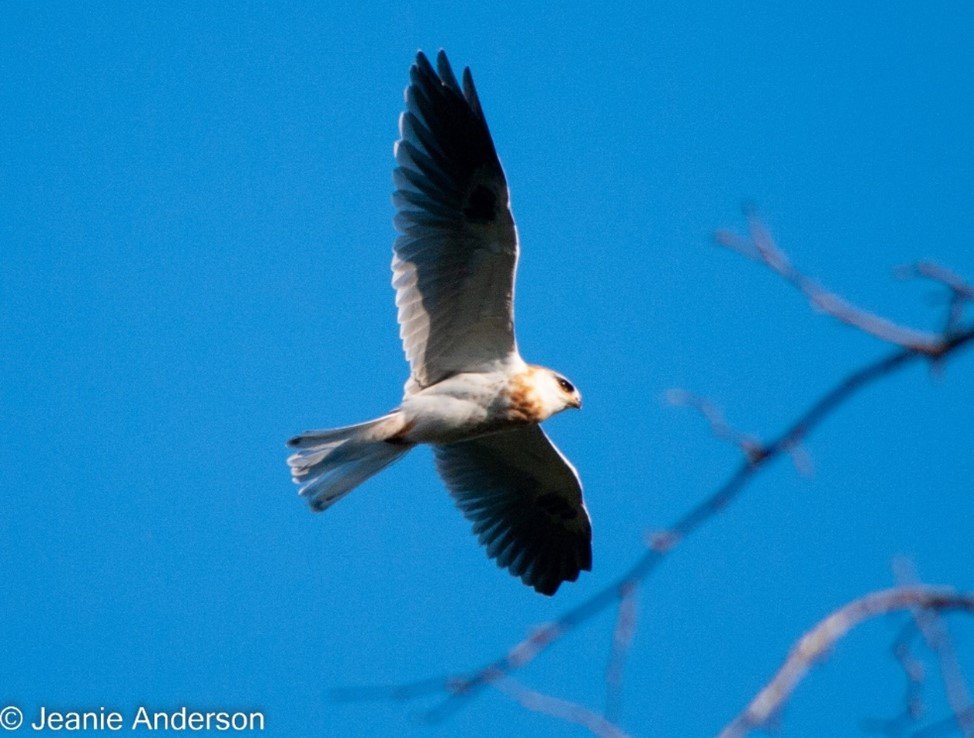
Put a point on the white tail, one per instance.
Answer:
(331, 463)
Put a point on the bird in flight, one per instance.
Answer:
(469, 395)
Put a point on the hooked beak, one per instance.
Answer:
(576, 403)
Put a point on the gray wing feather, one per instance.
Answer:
(525, 502)
(456, 255)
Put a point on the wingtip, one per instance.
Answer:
(422, 63)
(546, 589)
(468, 87)
(549, 584)
(443, 71)
(446, 71)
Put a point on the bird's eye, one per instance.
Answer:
(565, 385)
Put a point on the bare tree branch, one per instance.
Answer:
(761, 247)
(912, 347)
(460, 687)
(817, 642)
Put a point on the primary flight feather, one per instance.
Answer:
(469, 394)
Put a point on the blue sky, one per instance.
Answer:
(194, 251)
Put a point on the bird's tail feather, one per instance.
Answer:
(331, 463)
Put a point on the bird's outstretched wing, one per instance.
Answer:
(525, 502)
(456, 254)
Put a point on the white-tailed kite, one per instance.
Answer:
(470, 395)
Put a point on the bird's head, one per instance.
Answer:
(556, 393)
(538, 393)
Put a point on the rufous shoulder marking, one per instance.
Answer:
(524, 403)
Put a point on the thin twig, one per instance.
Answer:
(914, 674)
(959, 292)
(941, 275)
(937, 637)
(622, 637)
(817, 642)
(571, 712)
(747, 444)
(750, 446)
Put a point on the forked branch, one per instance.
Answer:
(817, 643)
(911, 346)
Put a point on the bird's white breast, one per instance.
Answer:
(460, 407)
